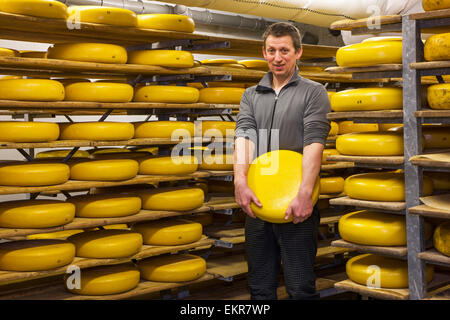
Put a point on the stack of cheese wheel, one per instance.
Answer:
(172, 198)
(255, 64)
(99, 92)
(31, 90)
(164, 129)
(217, 162)
(35, 213)
(62, 154)
(217, 129)
(168, 165)
(41, 8)
(430, 5)
(103, 170)
(169, 232)
(441, 238)
(172, 268)
(367, 99)
(170, 22)
(231, 63)
(349, 126)
(376, 228)
(103, 15)
(221, 95)
(106, 244)
(35, 255)
(331, 185)
(106, 280)
(435, 48)
(370, 144)
(372, 51)
(58, 235)
(326, 153)
(33, 174)
(382, 272)
(166, 94)
(162, 58)
(381, 186)
(88, 52)
(28, 131)
(100, 131)
(106, 206)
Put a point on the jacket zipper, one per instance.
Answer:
(271, 122)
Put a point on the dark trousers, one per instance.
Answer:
(294, 244)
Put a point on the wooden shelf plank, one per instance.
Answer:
(381, 114)
(339, 165)
(389, 160)
(375, 68)
(444, 13)
(430, 113)
(430, 65)
(348, 24)
(427, 211)
(431, 160)
(434, 256)
(396, 252)
(347, 201)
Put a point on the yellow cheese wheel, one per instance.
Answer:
(169, 232)
(168, 165)
(205, 219)
(35, 8)
(441, 238)
(436, 47)
(103, 15)
(436, 137)
(376, 228)
(164, 129)
(33, 54)
(221, 95)
(365, 99)
(106, 280)
(106, 206)
(172, 199)
(326, 153)
(28, 131)
(392, 273)
(166, 94)
(152, 150)
(330, 185)
(255, 64)
(370, 53)
(275, 179)
(218, 61)
(103, 244)
(441, 180)
(172, 268)
(99, 92)
(109, 150)
(334, 130)
(438, 96)
(217, 162)
(106, 131)
(5, 52)
(31, 174)
(88, 52)
(218, 128)
(103, 170)
(170, 22)
(35, 213)
(61, 154)
(35, 255)
(163, 58)
(232, 65)
(370, 144)
(388, 126)
(381, 186)
(429, 5)
(31, 90)
(62, 235)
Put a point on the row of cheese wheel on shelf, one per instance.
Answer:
(388, 50)
(25, 131)
(46, 90)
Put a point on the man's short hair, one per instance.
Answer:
(281, 29)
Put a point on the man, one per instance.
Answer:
(297, 108)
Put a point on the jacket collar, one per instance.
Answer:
(266, 82)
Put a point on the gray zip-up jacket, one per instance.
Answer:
(297, 115)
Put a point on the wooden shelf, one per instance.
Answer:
(375, 68)
(430, 113)
(381, 161)
(389, 206)
(348, 24)
(435, 14)
(434, 257)
(435, 161)
(395, 252)
(391, 115)
(334, 166)
(429, 65)
(430, 212)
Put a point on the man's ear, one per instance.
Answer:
(264, 52)
(299, 53)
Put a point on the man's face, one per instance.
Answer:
(281, 55)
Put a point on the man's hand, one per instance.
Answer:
(244, 196)
(301, 208)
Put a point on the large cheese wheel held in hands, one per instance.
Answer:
(172, 199)
(88, 52)
(221, 95)
(33, 174)
(106, 280)
(28, 131)
(36, 8)
(393, 273)
(170, 22)
(172, 268)
(375, 228)
(103, 15)
(367, 99)
(35, 213)
(438, 96)
(381, 186)
(436, 47)
(275, 179)
(99, 92)
(106, 244)
(168, 165)
(103, 170)
(441, 238)
(35, 255)
(166, 94)
(164, 129)
(370, 144)
(31, 90)
(163, 58)
(103, 131)
(169, 232)
(106, 206)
